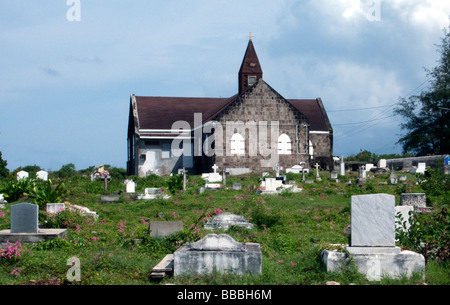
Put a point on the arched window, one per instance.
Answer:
(237, 144)
(311, 149)
(284, 145)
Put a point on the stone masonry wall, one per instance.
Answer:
(262, 103)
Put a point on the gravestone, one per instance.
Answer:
(317, 172)
(22, 175)
(236, 186)
(382, 163)
(24, 218)
(226, 220)
(373, 220)
(296, 169)
(130, 186)
(372, 242)
(43, 175)
(164, 228)
(25, 227)
(342, 167)
(421, 168)
(333, 175)
(55, 208)
(213, 186)
(393, 178)
(214, 176)
(417, 200)
(152, 193)
(219, 253)
(403, 214)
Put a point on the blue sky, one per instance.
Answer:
(65, 85)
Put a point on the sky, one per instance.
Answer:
(68, 67)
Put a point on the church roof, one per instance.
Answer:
(156, 112)
(315, 112)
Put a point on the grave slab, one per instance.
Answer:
(220, 253)
(226, 220)
(164, 228)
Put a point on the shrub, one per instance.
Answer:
(175, 183)
(43, 192)
(428, 234)
(14, 189)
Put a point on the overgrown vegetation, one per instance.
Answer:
(291, 228)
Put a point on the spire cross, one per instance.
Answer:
(250, 35)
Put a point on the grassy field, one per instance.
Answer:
(116, 249)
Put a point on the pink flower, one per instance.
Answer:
(292, 264)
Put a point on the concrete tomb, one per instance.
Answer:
(219, 253)
(226, 220)
(372, 241)
(25, 226)
(214, 176)
(152, 193)
(418, 200)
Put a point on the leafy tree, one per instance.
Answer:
(3, 170)
(427, 116)
(66, 171)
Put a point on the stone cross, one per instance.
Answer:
(251, 35)
(215, 167)
(224, 177)
(317, 170)
(106, 184)
(277, 169)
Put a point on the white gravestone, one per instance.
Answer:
(22, 175)
(43, 175)
(130, 186)
(373, 220)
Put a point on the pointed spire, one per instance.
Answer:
(250, 70)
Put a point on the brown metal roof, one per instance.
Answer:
(314, 111)
(156, 112)
(161, 112)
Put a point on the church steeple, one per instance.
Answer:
(250, 71)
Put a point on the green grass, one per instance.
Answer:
(116, 249)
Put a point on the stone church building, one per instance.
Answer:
(255, 129)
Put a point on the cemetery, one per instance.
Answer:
(280, 227)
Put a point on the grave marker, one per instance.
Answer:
(24, 218)
(164, 228)
(43, 175)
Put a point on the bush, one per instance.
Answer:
(14, 190)
(428, 234)
(175, 183)
(43, 192)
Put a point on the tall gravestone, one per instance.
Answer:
(373, 220)
(372, 244)
(24, 218)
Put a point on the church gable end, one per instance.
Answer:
(263, 105)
